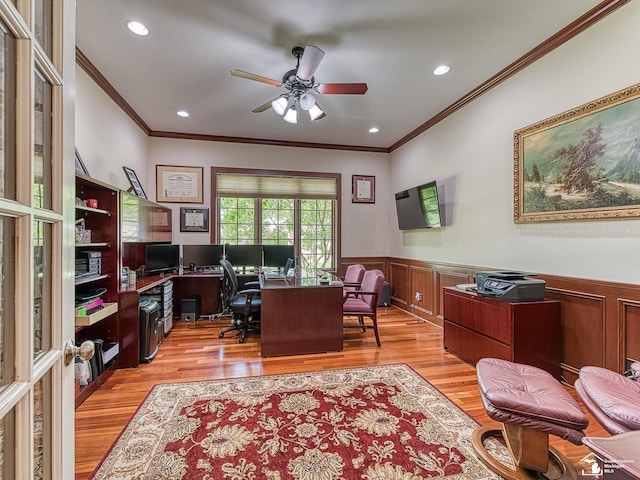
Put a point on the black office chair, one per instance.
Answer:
(243, 304)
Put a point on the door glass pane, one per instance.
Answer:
(43, 30)
(7, 269)
(7, 435)
(42, 428)
(42, 287)
(42, 146)
(7, 115)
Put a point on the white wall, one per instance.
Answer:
(106, 138)
(470, 154)
(364, 226)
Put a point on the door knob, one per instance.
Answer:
(85, 351)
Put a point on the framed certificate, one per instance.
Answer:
(178, 184)
(194, 219)
(363, 189)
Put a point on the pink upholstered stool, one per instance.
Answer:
(531, 404)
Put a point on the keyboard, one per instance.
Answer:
(273, 276)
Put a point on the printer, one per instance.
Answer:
(510, 286)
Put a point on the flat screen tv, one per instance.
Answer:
(161, 257)
(202, 255)
(418, 207)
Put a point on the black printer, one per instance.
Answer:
(510, 286)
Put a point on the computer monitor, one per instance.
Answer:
(244, 255)
(276, 255)
(202, 255)
(161, 257)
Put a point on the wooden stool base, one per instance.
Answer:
(559, 467)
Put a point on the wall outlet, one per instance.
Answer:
(418, 297)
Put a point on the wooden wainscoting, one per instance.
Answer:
(600, 320)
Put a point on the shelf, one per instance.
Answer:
(95, 245)
(92, 210)
(85, 280)
(87, 390)
(107, 310)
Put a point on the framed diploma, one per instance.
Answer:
(194, 219)
(178, 184)
(363, 189)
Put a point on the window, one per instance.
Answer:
(279, 208)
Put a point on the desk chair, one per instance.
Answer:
(353, 278)
(244, 304)
(363, 303)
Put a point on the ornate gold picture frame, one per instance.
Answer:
(583, 164)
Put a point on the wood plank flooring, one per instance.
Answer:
(194, 352)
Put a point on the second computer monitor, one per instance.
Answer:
(202, 255)
(277, 255)
(244, 255)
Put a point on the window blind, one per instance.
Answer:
(273, 186)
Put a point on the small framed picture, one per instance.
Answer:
(80, 166)
(135, 183)
(363, 189)
(194, 219)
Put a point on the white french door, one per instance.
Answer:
(36, 237)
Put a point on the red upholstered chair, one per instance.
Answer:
(353, 278)
(363, 303)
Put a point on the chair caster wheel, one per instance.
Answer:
(221, 335)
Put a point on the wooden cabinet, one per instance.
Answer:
(525, 332)
(97, 269)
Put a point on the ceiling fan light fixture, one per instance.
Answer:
(316, 113)
(280, 104)
(307, 101)
(292, 115)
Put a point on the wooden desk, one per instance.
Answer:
(206, 285)
(300, 315)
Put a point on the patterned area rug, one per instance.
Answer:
(373, 423)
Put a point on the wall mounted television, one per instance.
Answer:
(161, 257)
(418, 207)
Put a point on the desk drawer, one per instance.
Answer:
(492, 320)
(472, 346)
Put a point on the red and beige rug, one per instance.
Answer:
(373, 423)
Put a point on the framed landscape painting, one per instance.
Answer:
(582, 164)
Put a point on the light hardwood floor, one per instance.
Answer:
(194, 352)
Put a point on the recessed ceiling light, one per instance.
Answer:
(137, 28)
(441, 70)
(183, 113)
(374, 130)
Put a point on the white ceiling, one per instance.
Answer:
(393, 46)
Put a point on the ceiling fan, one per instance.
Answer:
(301, 86)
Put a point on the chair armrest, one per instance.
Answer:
(252, 284)
(249, 291)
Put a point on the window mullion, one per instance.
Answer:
(257, 221)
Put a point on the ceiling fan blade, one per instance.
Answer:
(263, 107)
(342, 88)
(257, 78)
(309, 62)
